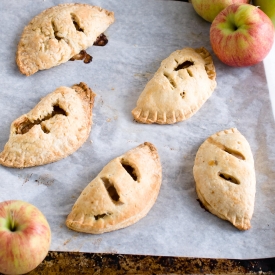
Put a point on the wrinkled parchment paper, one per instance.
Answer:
(144, 33)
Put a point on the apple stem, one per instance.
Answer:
(12, 224)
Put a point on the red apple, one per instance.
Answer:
(25, 237)
(209, 9)
(241, 35)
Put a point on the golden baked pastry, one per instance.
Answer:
(121, 194)
(57, 126)
(225, 177)
(184, 81)
(59, 33)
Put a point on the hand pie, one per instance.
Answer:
(58, 125)
(225, 177)
(184, 81)
(121, 194)
(59, 33)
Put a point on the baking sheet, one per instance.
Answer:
(144, 33)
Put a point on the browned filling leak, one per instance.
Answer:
(229, 178)
(110, 189)
(88, 58)
(184, 65)
(129, 169)
(27, 125)
(101, 40)
(234, 153)
(83, 55)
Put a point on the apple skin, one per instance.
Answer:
(209, 9)
(25, 237)
(268, 7)
(241, 35)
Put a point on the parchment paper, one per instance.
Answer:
(144, 33)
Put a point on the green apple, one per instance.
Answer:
(25, 237)
(268, 7)
(241, 35)
(209, 9)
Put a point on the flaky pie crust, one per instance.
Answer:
(55, 128)
(182, 84)
(59, 33)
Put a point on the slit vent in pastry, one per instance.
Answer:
(225, 177)
(182, 84)
(57, 126)
(58, 34)
(121, 194)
